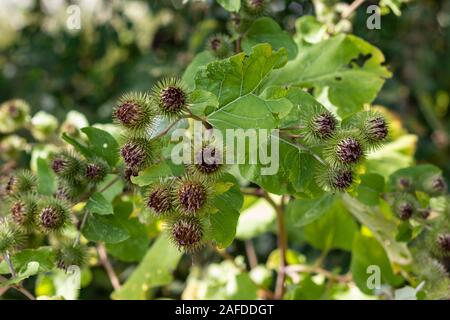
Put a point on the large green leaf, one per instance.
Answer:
(45, 256)
(266, 30)
(224, 221)
(301, 212)
(241, 74)
(199, 61)
(154, 270)
(367, 252)
(230, 5)
(249, 112)
(108, 229)
(155, 172)
(334, 230)
(348, 67)
(103, 144)
(383, 228)
(97, 203)
(135, 247)
(31, 269)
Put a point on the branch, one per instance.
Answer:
(282, 246)
(298, 268)
(86, 213)
(251, 254)
(19, 287)
(162, 133)
(355, 4)
(7, 258)
(108, 267)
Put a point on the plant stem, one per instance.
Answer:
(108, 267)
(86, 213)
(353, 6)
(318, 270)
(251, 254)
(7, 258)
(162, 133)
(282, 246)
(19, 286)
(25, 292)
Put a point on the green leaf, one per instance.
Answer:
(108, 229)
(266, 30)
(230, 5)
(247, 112)
(307, 289)
(199, 61)
(31, 269)
(367, 252)
(103, 144)
(134, 248)
(46, 178)
(301, 212)
(243, 287)
(310, 30)
(383, 228)
(334, 230)
(224, 222)
(203, 102)
(348, 67)
(241, 74)
(78, 145)
(45, 256)
(154, 270)
(370, 188)
(97, 203)
(154, 173)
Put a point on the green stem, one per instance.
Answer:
(282, 246)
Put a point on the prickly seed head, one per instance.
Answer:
(342, 180)
(173, 99)
(133, 154)
(59, 164)
(160, 200)
(207, 160)
(405, 210)
(129, 113)
(191, 196)
(377, 128)
(323, 125)
(443, 241)
(187, 233)
(349, 150)
(49, 218)
(18, 212)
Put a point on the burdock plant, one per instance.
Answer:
(53, 215)
(170, 98)
(187, 233)
(135, 112)
(192, 195)
(159, 198)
